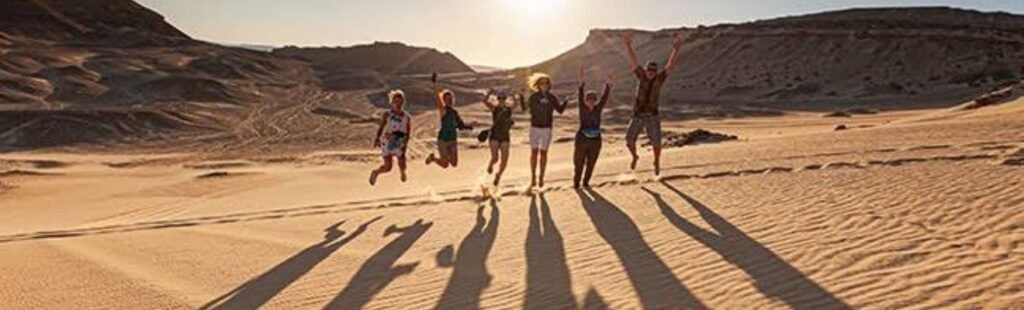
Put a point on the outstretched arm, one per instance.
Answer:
(582, 86)
(561, 108)
(461, 123)
(437, 94)
(607, 91)
(627, 40)
(487, 99)
(677, 43)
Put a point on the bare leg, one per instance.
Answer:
(453, 159)
(543, 166)
(504, 164)
(401, 168)
(384, 168)
(533, 167)
(494, 157)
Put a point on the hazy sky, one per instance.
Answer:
(506, 33)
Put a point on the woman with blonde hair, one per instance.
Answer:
(542, 105)
(393, 136)
(448, 134)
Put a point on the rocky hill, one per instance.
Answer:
(107, 21)
(890, 58)
(113, 72)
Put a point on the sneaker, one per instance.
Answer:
(431, 159)
(373, 177)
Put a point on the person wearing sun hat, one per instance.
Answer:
(646, 107)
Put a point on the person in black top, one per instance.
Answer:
(588, 138)
(542, 106)
(648, 93)
(499, 137)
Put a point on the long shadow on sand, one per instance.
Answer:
(256, 292)
(653, 280)
(379, 269)
(470, 277)
(259, 290)
(773, 276)
(548, 283)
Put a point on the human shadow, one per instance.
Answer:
(379, 269)
(470, 277)
(772, 275)
(259, 290)
(653, 280)
(548, 283)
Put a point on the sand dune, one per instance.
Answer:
(140, 168)
(919, 215)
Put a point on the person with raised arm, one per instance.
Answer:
(448, 134)
(499, 137)
(588, 137)
(648, 93)
(542, 106)
(393, 136)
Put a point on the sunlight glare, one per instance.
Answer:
(533, 9)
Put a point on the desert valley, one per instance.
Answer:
(865, 158)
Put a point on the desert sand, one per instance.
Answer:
(913, 210)
(878, 164)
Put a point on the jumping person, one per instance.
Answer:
(500, 137)
(542, 106)
(393, 136)
(588, 138)
(648, 92)
(447, 135)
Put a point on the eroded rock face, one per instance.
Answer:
(107, 21)
(881, 58)
(382, 57)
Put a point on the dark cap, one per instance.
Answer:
(652, 65)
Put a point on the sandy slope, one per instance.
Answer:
(922, 210)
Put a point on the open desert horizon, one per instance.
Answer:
(856, 158)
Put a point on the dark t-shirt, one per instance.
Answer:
(451, 122)
(648, 92)
(542, 108)
(501, 118)
(591, 118)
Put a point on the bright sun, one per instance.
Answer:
(533, 9)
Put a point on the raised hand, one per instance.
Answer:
(677, 41)
(627, 38)
(582, 76)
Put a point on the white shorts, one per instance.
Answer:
(540, 138)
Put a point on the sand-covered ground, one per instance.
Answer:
(907, 210)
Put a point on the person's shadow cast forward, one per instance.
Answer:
(772, 275)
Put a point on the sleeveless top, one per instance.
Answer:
(397, 126)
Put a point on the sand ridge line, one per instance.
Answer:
(467, 196)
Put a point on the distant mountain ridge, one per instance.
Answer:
(85, 21)
(384, 57)
(900, 57)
